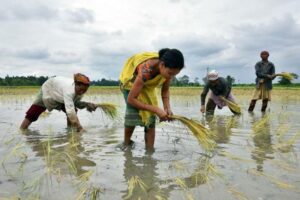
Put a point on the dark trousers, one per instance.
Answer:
(210, 108)
(263, 107)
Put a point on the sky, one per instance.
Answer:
(95, 37)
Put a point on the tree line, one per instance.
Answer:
(182, 81)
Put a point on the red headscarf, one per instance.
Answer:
(81, 78)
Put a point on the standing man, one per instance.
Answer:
(265, 73)
(64, 94)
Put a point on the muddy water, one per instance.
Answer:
(256, 156)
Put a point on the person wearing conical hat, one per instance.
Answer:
(218, 87)
(265, 73)
(64, 94)
(141, 75)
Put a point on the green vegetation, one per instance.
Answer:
(183, 81)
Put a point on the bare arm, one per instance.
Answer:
(133, 99)
(165, 95)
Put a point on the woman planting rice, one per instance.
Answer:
(140, 76)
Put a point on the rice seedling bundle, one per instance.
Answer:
(203, 135)
(287, 75)
(233, 106)
(109, 109)
(133, 183)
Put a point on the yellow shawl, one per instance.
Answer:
(148, 93)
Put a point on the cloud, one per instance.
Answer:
(26, 10)
(80, 15)
(34, 53)
(62, 57)
(274, 34)
(63, 36)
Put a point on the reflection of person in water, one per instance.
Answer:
(63, 153)
(263, 145)
(221, 127)
(146, 168)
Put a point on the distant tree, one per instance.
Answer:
(184, 80)
(230, 80)
(174, 82)
(196, 81)
(284, 81)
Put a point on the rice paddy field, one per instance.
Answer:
(255, 156)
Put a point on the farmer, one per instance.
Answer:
(218, 88)
(61, 94)
(265, 73)
(141, 74)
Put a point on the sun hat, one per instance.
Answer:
(212, 75)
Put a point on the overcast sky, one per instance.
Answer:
(95, 37)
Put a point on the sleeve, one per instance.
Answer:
(272, 70)
(204, 93)
(69, 105)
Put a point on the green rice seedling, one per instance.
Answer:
(211, 169)
(203, 135)
(284, 165)
(109, 109)
(16, 152)
(286, 146)
(94, 193)
(274, 180)
(239, 195)
(181, 183)
(229, 124)
(287, 75)
(85, 176)
(260, 125)
(234, 157)
(133, 183)
(85, 190)
(179, 166)
(233, 106)
(55, 161)
(33, 186)
(160, 195)
(282, 131)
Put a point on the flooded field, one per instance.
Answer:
(256, 156)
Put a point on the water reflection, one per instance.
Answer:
(179, 176)
(262, 140)
(221, 127)
(61, 153)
